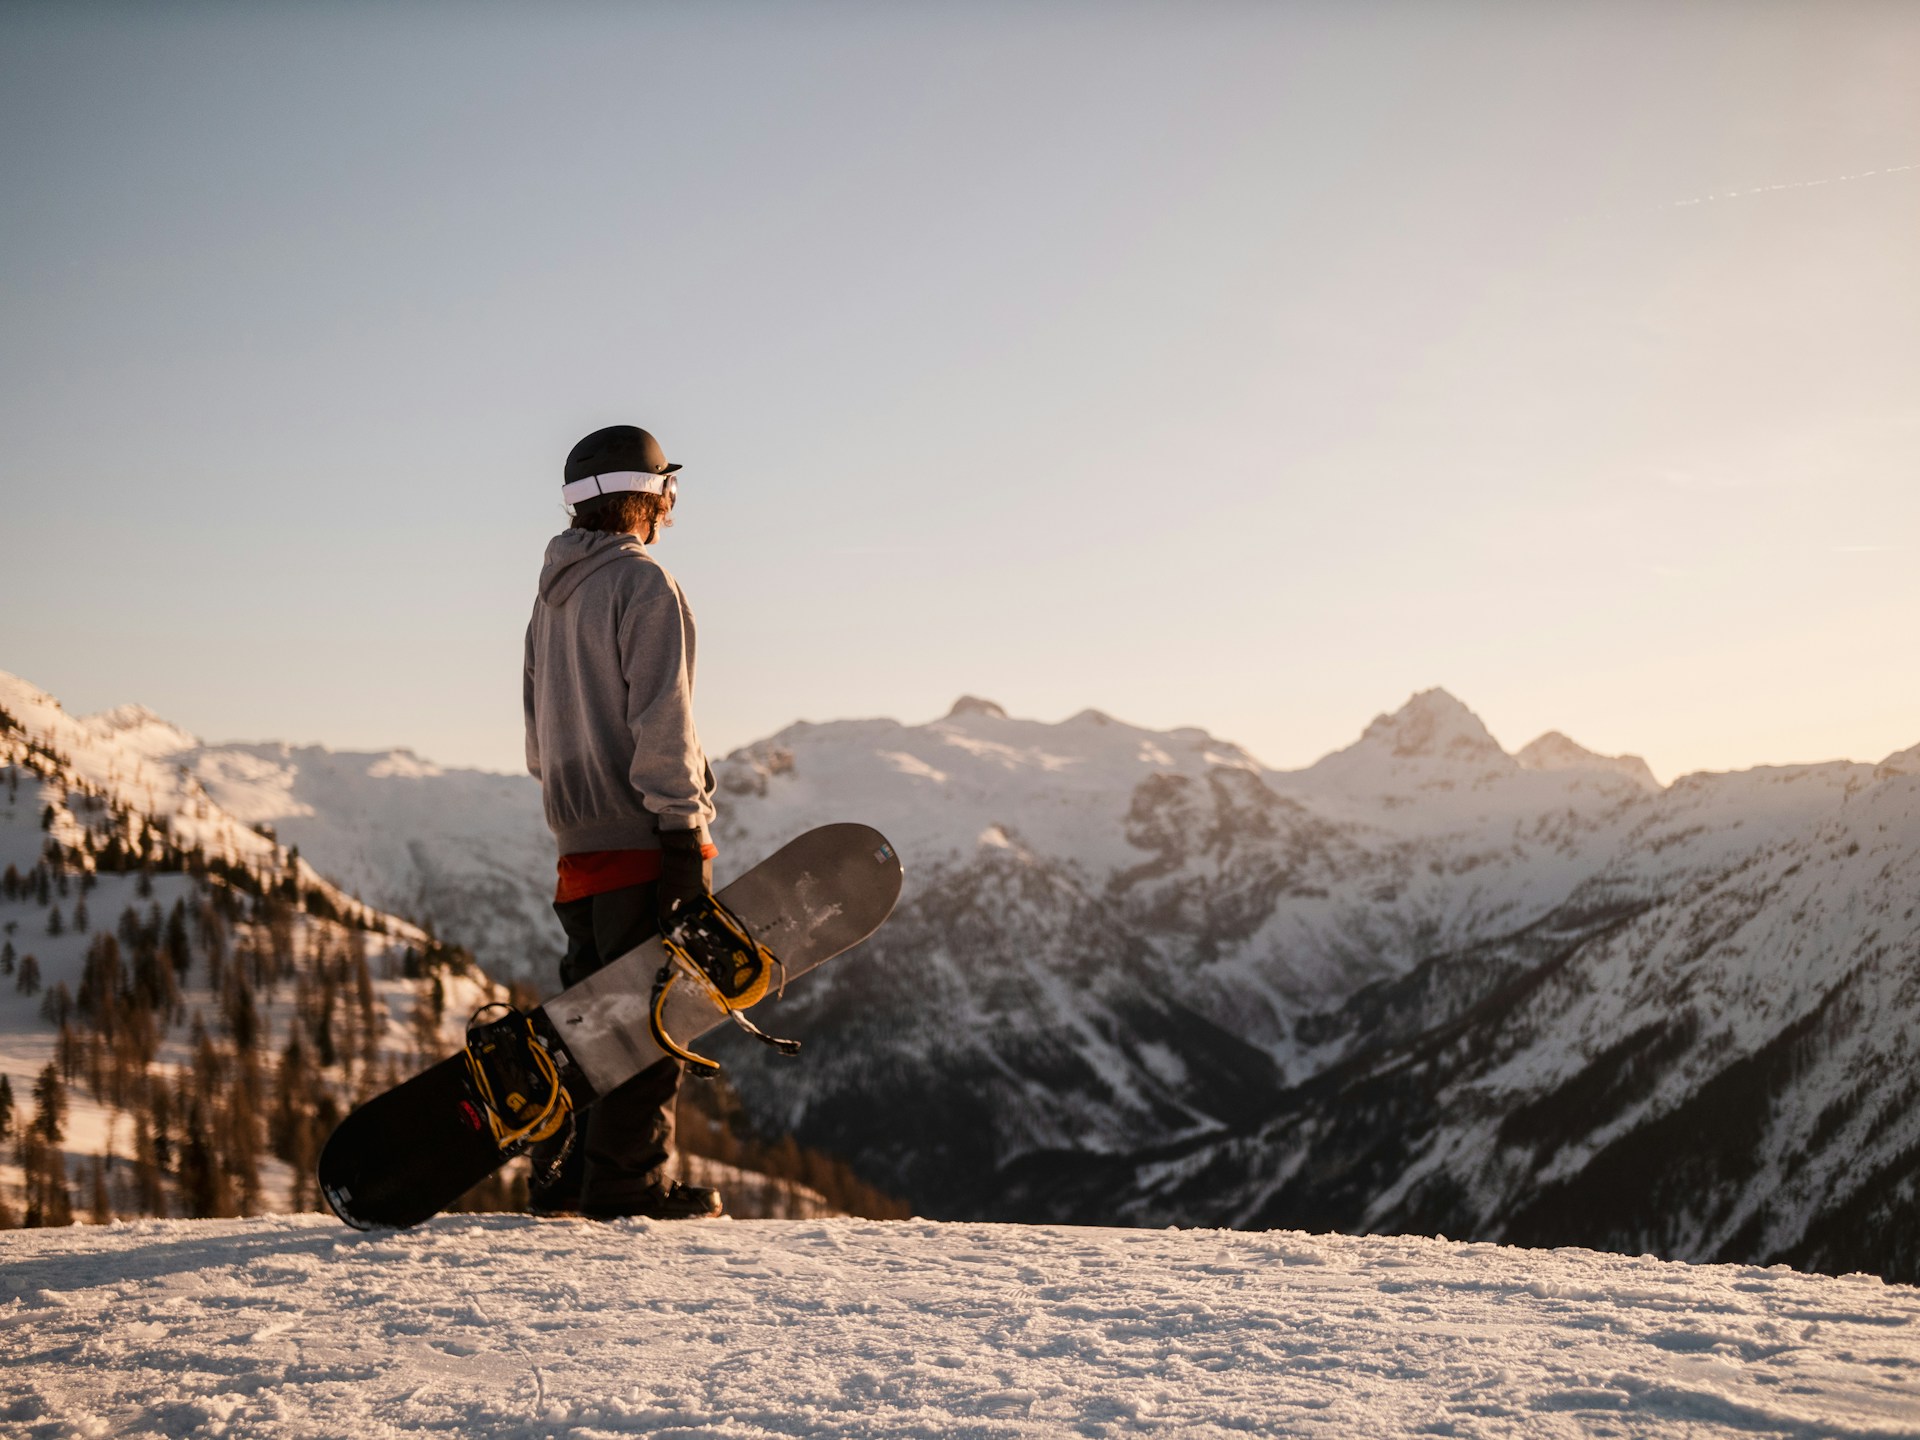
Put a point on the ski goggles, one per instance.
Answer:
(645, 481)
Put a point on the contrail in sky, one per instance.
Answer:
(1791, 185)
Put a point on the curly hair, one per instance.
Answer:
(623, 512)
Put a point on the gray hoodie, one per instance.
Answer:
(609, 698)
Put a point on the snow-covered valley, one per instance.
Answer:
(507, 1326)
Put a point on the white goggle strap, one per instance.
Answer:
(645, 481)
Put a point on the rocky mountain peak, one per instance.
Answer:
(1554, 751)
(1432, 725)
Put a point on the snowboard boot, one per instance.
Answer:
(669, 1201)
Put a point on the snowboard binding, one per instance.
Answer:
(712, 947)
(516, 1080)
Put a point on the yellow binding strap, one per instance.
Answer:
(657, 1021)
(515, 1117)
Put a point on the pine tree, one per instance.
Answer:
(102, 979)
(243, 1019)
(27, 979)
(202, 1187)
(149, 1198)
(179, 953)
(293, 1084)
(130, 1053)
(326, 1048)
(43, 1167)
(7, 957)
(37, 1148)
(56, 1006)
(364, 1002)
(80, 917)
(92, 1059)
(56, 925)
(6, 1107)
(210, 933)
(57, 1197)
(240, 1136)
(50, 1105)
(217, 965)
(283, 940)
(100, 1207)
(68, 1053)
(128, 928)
(160, 1107)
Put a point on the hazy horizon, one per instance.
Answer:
(1509, 743)
(1245, 368)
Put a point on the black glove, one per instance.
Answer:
(683, 872)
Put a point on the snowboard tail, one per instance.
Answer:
(407, 1154)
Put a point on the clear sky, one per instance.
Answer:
(1244, 366)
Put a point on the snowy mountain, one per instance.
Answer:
(464, 851)
(1705, 1050)
(1424, 983)
(1112, 936)
(186, 1007)
(498, 1325)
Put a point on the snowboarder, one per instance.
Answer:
(627, 789)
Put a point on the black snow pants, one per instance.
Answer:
(624, 1142)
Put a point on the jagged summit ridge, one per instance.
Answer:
(1433, 725)
(1433, 742)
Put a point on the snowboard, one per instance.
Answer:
(407, 1154)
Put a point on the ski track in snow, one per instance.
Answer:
(503, 1325)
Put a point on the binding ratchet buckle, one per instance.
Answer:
(713, 948)
(517, 1081)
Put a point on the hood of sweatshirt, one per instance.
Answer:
(573, 555)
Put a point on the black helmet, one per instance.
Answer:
(616, 449)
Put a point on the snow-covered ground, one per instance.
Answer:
(502, 1325)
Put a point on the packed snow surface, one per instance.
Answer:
(503, 1325)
